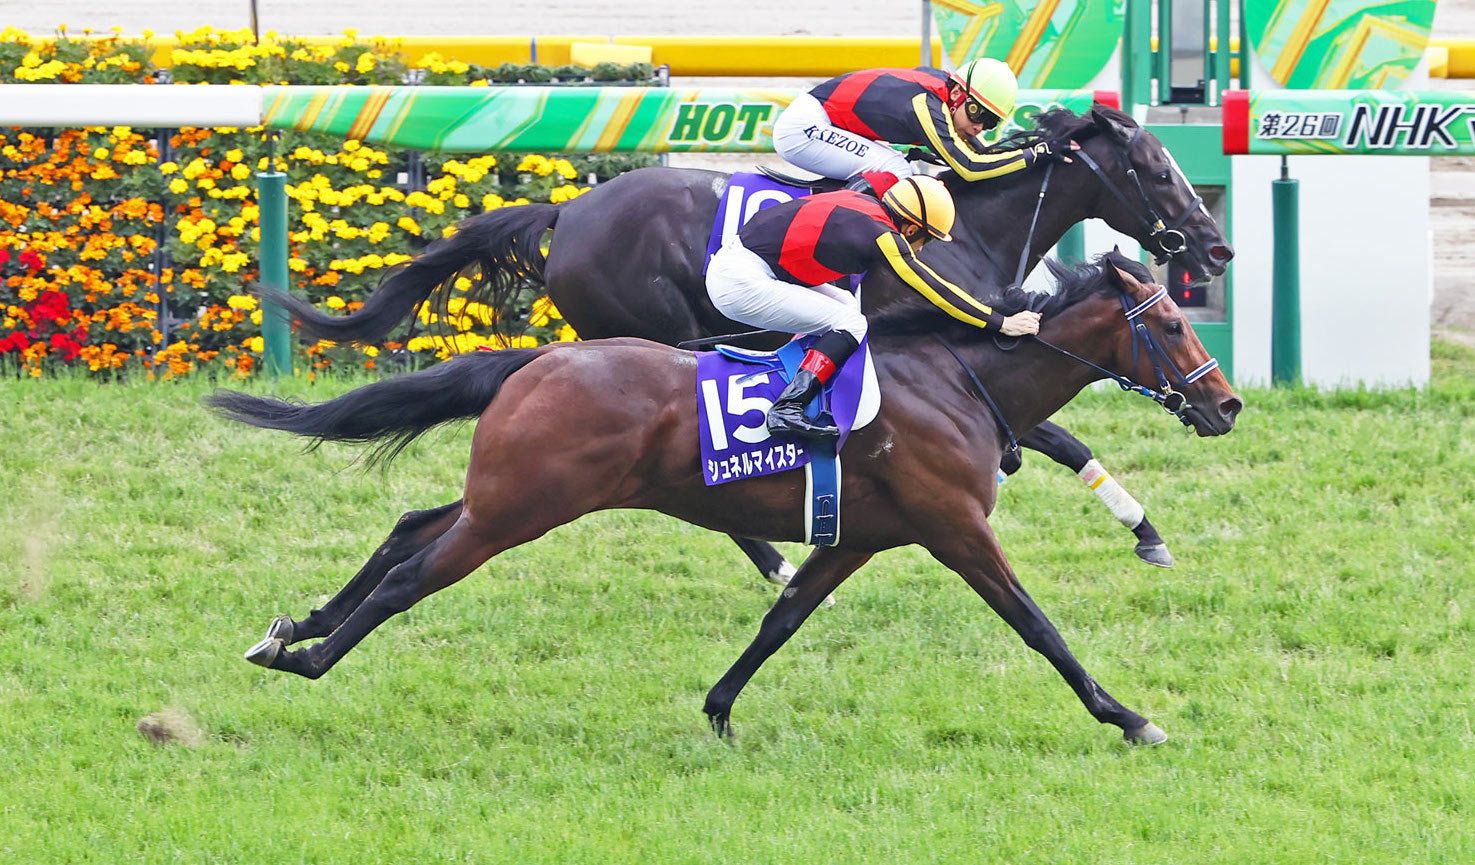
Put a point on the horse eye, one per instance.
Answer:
(1163, 176)
(1173, 328)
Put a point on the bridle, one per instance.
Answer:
(1172, 400)
(1168, 235)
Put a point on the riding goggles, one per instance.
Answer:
(977, 112)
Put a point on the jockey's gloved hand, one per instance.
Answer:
(922, 154)
(1056, 151)
(1021, 324)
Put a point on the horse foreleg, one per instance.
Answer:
(825, 569)
(414, 531)
(976, 556)
(1055, 442)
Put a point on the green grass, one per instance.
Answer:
(1310, 658)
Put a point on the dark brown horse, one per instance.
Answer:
(921, 473)
(627, 258)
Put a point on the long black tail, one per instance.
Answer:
(504, 242)
(396, 410)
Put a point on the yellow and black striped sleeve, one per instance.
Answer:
(941, 136)
(944, 295)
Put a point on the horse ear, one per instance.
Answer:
(1125, 281)
(1111, 125)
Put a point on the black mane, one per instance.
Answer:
(1056, 126)
(1073, 285)
(1062, 123)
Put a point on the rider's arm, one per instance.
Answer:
(944, 295)
(939, 134)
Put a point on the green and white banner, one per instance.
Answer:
(1336, 44)
(1048, 43)
(565, 119)
(1382, 122)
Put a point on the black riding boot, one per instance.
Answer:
(823, 360)
(787, 415)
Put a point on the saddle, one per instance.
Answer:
(735, 389)
(815, 184)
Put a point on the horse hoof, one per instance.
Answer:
(782, 574)
(265, 652)
(281, 628)
(1148, 734)
(1155, 554)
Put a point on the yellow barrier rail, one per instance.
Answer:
(731, 56)
(716, 56)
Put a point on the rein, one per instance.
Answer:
(983, 392)
(1172, 401)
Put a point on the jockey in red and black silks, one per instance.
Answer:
(836, 129)
(775, 273)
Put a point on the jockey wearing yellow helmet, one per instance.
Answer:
(775, 273)
(834, 129)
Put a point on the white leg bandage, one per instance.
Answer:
(1118, 500)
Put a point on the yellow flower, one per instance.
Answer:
(178, 186)
(341, 66)
(371, 351)
(240, 172)
(567, 334)
(255, 344)
(234, 155)
(168, 168)
(241, 301)
(336, 302)
(543, 310)
(408, 224)
(256, 317)
(100, 153)
(461, 200)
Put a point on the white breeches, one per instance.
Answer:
(804, 136)
(743, 288)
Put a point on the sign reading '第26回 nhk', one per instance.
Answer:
(1381, 122)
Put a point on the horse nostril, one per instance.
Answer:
(1221, 253)
(1230, 408)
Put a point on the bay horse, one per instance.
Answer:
(621, 417)
(627, 257)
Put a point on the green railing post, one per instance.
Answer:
(1137, 56)
(1285, 334)
(1222, 55)
(1164, 55)
(1072, 246)
(276, 353)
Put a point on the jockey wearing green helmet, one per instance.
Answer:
(986, 92)
(836, 129)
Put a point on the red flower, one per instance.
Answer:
(32, 259)
(17, 341)
(4, 255)
(68, 346)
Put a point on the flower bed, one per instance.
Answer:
(123, 250)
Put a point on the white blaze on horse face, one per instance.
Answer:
(1183, 177)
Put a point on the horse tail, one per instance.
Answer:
(505, 243)
(396, 410)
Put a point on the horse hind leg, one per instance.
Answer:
(414, 531)
(470, 541)
(444, 561)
